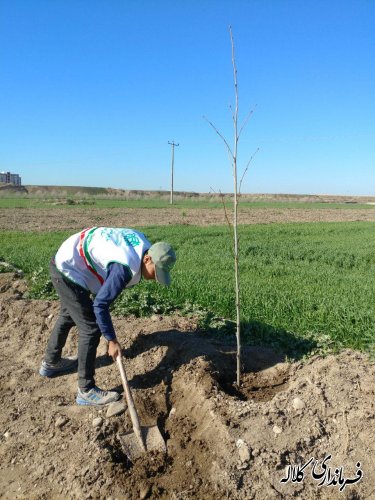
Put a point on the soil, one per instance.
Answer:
(34, 219)
(222, 441)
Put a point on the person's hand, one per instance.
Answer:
(114, 349)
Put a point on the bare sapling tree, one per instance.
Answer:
(233, 157)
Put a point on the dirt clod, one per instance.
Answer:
(243, 450)
(115, 408)
(97, 422)
(298, 404)
(60, 422)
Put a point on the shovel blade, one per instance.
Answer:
(151, 437)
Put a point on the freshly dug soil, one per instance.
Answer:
(222, 441)
(52, 219)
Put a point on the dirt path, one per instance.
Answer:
(221, 443)
(34, 219)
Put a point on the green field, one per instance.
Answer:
(304, 287)
(32, 202)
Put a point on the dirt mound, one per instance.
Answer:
(221, 442)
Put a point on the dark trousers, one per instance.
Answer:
(76, 309)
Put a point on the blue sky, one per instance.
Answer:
(92, 91)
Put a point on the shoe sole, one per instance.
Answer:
(44, 372)
(84, 402)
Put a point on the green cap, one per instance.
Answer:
(164, 258)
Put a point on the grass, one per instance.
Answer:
(32, 202)
(304, 287)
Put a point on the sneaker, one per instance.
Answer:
(62, 366)
(96, 397)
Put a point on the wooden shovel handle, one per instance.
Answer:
(129, 400)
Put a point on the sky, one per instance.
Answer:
(92, 91)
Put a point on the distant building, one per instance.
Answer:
(9, 178)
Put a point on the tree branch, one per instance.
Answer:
(224, 206)
(230, 227)
(246, 120)
(220, 135)
(246, 169)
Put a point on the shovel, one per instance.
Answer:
(142, 439)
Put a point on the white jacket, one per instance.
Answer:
(84, 257)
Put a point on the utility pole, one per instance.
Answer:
(173, 144)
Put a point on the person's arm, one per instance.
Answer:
(117, 278)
